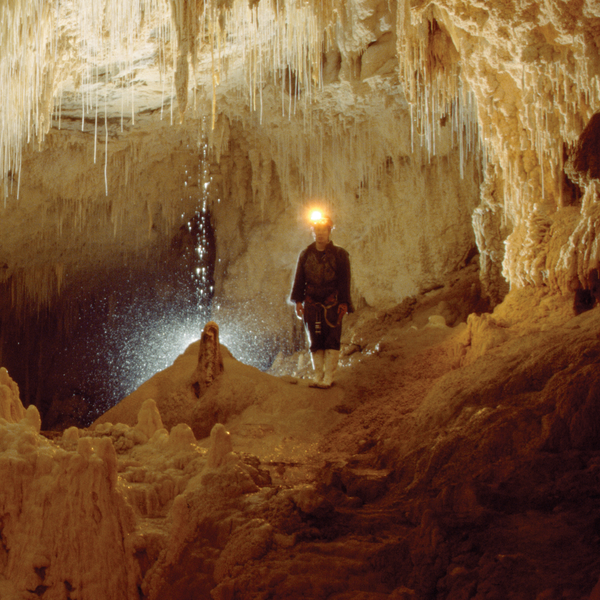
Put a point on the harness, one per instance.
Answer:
(321, 310)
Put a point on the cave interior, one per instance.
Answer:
(158, 438)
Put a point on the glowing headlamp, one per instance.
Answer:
(318, 218)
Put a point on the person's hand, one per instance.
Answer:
(299, 310)
(342, 310)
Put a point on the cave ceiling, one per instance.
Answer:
(112, 109)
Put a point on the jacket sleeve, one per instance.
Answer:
(344, 278)
(298, 289)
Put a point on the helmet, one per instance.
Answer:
(318, 218)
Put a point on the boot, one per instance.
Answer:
(331, 361)
(317, 359)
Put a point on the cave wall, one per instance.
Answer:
(378, 213)
(426, 129)
(534, 69)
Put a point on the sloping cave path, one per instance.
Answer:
(316, 521)
(446, 462)
(450, 482)
(449, 476)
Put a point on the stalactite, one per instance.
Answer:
(431, 73)
(281, 44)
(271, 38)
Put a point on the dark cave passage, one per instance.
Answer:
(99, 343)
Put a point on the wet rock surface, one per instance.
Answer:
(446, 468)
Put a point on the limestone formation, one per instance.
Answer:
(149, 421)
(220, 446)
(415, 475)
(157, 163)
(210, 361)
(11, 408)
(584, 158)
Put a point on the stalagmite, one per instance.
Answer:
(210, 360)
(220, 446)
(11, 408)
(149, 421)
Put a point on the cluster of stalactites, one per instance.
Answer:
(253, 44)
(47, 44)
(430, 69)
(96, 47)
(533, 96)
(25, 79)
(523, 108)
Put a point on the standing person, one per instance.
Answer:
(321, 293)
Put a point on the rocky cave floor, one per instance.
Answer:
(448, 461)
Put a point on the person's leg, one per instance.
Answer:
(318, 360)
(329, 367)
(332, 342)
(313, 324)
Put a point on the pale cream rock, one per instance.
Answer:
(72, 513)
(149, 420)
(11, 408)
(220, 446)
(68, 520)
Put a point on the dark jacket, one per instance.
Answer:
(319, 274)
